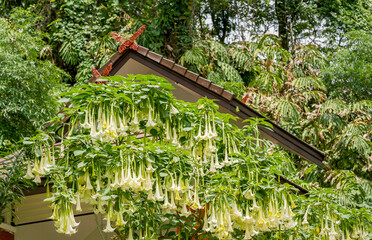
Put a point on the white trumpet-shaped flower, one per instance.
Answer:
(66, 222)
(158, 192)
(226, 161)
(149, 168)
(332, 233)
(205, 225)
(166, 204)
(199, 136)
(108, 225)
(119, 219)
(150, 196)
(130, 235)
(108, 219)
(128, 178)
(212, 167)
(210, 133)
(249, 195)
(55, 213)
(196, 203)
(172, 203)
(37, 179)
(150, 123)
(248, 233)
(305, 222)
(247, 218)
(184, 211)
(116, 182)
(261, 221)
(255, 207)
(88, 184)
(175, 138)
(86, 123)
(78, 205)
(173, 187)
(173, 110)
(167, 130)
(29, 174)
(148, 182)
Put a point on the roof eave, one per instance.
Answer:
(226, 99)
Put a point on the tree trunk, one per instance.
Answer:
(282, 17)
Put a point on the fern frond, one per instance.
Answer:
(308, 55)
(334, 105)
(230, 72)
(193, 56)
(360, 144)
(309, 83)
(316, 96)
(332, 121)
(241, 58)
(364, 105)
(102, 46)
(68, 54)
(267, 81)
(215, 77)
(287, 111)
(218, 51)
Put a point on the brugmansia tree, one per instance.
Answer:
(155, 166)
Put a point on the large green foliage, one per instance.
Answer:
(27, 84)
(349, 75)
(79, 31)
(330, 110)
(12, 182)
(286, 87)
(194, 170)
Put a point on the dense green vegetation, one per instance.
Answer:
(313, 76)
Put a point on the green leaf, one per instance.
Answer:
(78, 152)
(81, 164)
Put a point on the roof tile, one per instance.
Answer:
(226, 94)
(215, 88)
(204, 82)
(154, 56)
(179, 69)
(191, 75)
(142, 50)
(167, 63)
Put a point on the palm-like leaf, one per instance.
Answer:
(314, 96)
(193, 56)
(335, 106)
(287, 111)
(68, 54)
(309, 83)
(241, 58)
(230, 72)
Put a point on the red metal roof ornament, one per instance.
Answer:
(97, 75)
(128, 43)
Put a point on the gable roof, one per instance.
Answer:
(202, 87)
(205, 88)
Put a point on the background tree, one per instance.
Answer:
(28, 85)
(349, 73)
